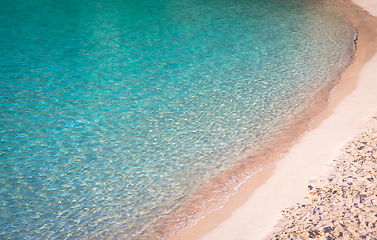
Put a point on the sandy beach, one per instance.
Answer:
(299, 181)
(341, 203)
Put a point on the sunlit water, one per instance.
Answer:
(113, 112)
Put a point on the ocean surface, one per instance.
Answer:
(113, 112)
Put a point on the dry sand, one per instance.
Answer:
(342, 203)
(255, 211)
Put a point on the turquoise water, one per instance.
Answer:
(114, 111)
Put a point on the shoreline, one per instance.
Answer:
(252, 212)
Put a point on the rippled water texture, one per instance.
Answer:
(113, 112)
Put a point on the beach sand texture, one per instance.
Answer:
(343, 203)
(255, 211)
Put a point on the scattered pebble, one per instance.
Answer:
(342, 205)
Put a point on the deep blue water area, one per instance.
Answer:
(113, 111)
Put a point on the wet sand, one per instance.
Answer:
(255, 210)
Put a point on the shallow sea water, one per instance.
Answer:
(114, 111)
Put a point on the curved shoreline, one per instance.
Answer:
(250, 214)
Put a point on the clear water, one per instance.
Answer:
(114, 111)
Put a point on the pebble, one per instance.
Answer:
(342, 204)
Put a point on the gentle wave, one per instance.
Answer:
(116, 116)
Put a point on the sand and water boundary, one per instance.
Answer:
(254, 211)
